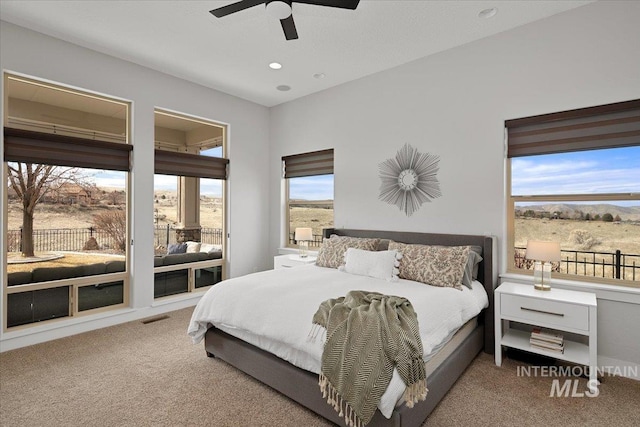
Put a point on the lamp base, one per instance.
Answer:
(542, 275)
(304, 248)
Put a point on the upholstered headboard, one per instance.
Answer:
(485, 271)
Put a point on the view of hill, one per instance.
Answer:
(626, 213)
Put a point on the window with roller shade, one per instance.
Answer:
(189, 203)
(574, 178)
(67, 162)
(309, 194)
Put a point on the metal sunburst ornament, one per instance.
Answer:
(409, 179)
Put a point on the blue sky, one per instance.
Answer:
(311, 187)
(614, 170)
(585, 172)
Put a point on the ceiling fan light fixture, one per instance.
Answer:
(278, 9)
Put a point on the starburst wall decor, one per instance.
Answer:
(409, 179)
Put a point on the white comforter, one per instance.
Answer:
(273, 310)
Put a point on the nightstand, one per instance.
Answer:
(557, 310)
(288, 261)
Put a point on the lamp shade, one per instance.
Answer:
(303, 234)
(539, 250)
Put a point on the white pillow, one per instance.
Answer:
(193, 247)
(378, 264)
(210, 248)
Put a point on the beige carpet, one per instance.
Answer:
(151, 375)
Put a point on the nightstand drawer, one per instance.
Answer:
(543, 312)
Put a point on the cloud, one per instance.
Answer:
(593, 172)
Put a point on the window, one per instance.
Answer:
(67, 172)
(309, 193)
(574, 179)
(188, 203)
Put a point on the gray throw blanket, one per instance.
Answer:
(368, 334)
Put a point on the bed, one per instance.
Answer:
(250, 354)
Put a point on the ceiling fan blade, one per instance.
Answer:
(289, 28)
(234, 7)
(342, 4)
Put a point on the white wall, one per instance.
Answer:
(27, 52)
(454, 104)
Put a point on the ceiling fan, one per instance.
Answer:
(281, 9)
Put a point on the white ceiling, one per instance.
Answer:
(232, 54)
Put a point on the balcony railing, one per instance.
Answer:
(612, 265)
(74, 239)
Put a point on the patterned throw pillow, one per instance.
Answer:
(441, 266)
(331, 253)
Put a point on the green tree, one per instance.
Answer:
(597, 217)
(607, 217)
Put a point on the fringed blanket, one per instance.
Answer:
(368, 334)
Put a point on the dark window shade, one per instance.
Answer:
(194, 165)
(308, 164)
(606, 126)
(27, 146)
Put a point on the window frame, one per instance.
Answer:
(73, 284)
(312, 162)
(604, 137)
(218, 163)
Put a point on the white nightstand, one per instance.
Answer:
(557, 309)
(288, 261)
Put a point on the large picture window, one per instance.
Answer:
(189, 206)
(574, 179)
(67, 163)
(309, 194)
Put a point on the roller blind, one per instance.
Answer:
(606, 126)
(27, 146)
(185, 164)
(308, 164)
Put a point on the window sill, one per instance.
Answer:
(607, 292)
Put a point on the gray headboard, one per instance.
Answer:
(485, 271)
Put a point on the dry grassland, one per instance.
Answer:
(316, 218)
(50, 216)
(608, 236)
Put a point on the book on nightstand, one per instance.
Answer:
(545, 340)
(552, 337)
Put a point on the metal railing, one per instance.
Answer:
(75, 239)
(60, 239)
(165, 234)
(613, 265)
(315, 243)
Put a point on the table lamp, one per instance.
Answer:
(543, 253)
(302, 237)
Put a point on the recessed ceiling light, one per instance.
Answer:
(319, 76)
(488, 13)
(283, 88)
(275, 65)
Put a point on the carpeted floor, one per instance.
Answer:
(139, 374)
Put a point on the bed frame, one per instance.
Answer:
(302, 386)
